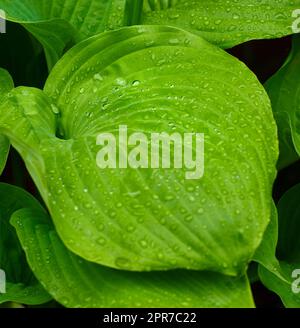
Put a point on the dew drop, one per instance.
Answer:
(173, 16)
(160, 256)
(169, 197)
(143, 243)
(122, 262)
(25, 92)
(120, 81)
(101, 241)
(55, 110)
(130, 228)
(174, 41)
(136, 83)
(98, 77)
(188, 218)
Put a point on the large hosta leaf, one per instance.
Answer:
(59, 23)
(284, 91)
(225, 23)
(21, 284)
(152, 79)
(278, 273)
(75, 282)
(6, 83)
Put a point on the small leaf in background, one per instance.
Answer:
(152, 79)
(58, 24)
(75, 282)
(224, 23)
(6, 84)
(284, 91)
(4, 150)
(277, 273)
(21, 284)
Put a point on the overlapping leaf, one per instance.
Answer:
(4, 149)
(278, 273)
(59, 23)
(225, 23)
(6, 84)
(284, 91)
(75, 282)
(152, 79)
(21, 285)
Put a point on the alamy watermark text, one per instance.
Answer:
(161, 150)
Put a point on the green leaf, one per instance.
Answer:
(133, 12)
(277, 275)
(284, 91)
(4, 150)
(152, 79)
(57, 24)
(265, 253)
(224, 23)
(6, 83)
(21, 285)
(75, 282)
(282, 286)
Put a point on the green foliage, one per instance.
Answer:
(21, 284)
(6, 84)
(185, 233)
(58, 24)
(224, 23)
(144, 237)
(75, 282)
(276, 274)
(284, 91)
